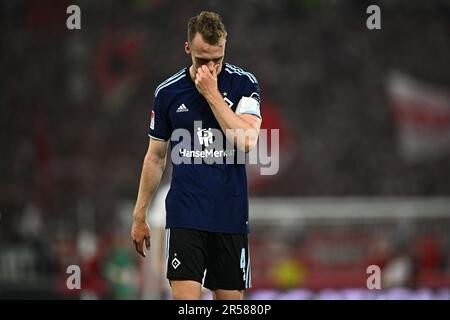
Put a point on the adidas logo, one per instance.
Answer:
(182, 108)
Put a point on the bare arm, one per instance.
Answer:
(206, 83)
(152, 170)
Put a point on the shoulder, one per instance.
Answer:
(171, 82)
(238, 72)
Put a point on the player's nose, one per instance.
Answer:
(211, 65)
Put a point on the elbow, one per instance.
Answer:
(246, 140)
(153, 160)
(248, 145)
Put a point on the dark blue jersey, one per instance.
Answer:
(204, 195)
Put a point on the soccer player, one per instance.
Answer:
(207, 204)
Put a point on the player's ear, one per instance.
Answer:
(187, 48)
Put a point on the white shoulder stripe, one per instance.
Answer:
(239, 73)
(171, 78)
(239, 69)
(231, 71)
(169, 83)
(232, 67)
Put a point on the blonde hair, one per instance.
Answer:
(209, 25)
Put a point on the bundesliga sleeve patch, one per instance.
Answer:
(152, 121)
(248, 105)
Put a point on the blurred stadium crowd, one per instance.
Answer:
(75, 109)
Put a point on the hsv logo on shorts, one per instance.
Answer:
(175, 263)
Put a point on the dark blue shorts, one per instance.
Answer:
(223, 256)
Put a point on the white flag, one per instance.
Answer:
(422, 115)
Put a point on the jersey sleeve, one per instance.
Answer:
(160, 126)
(250, 102)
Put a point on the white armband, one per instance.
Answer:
(248, 105)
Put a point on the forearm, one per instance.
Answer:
(152, 170)
(227, 119)
(241, 132)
